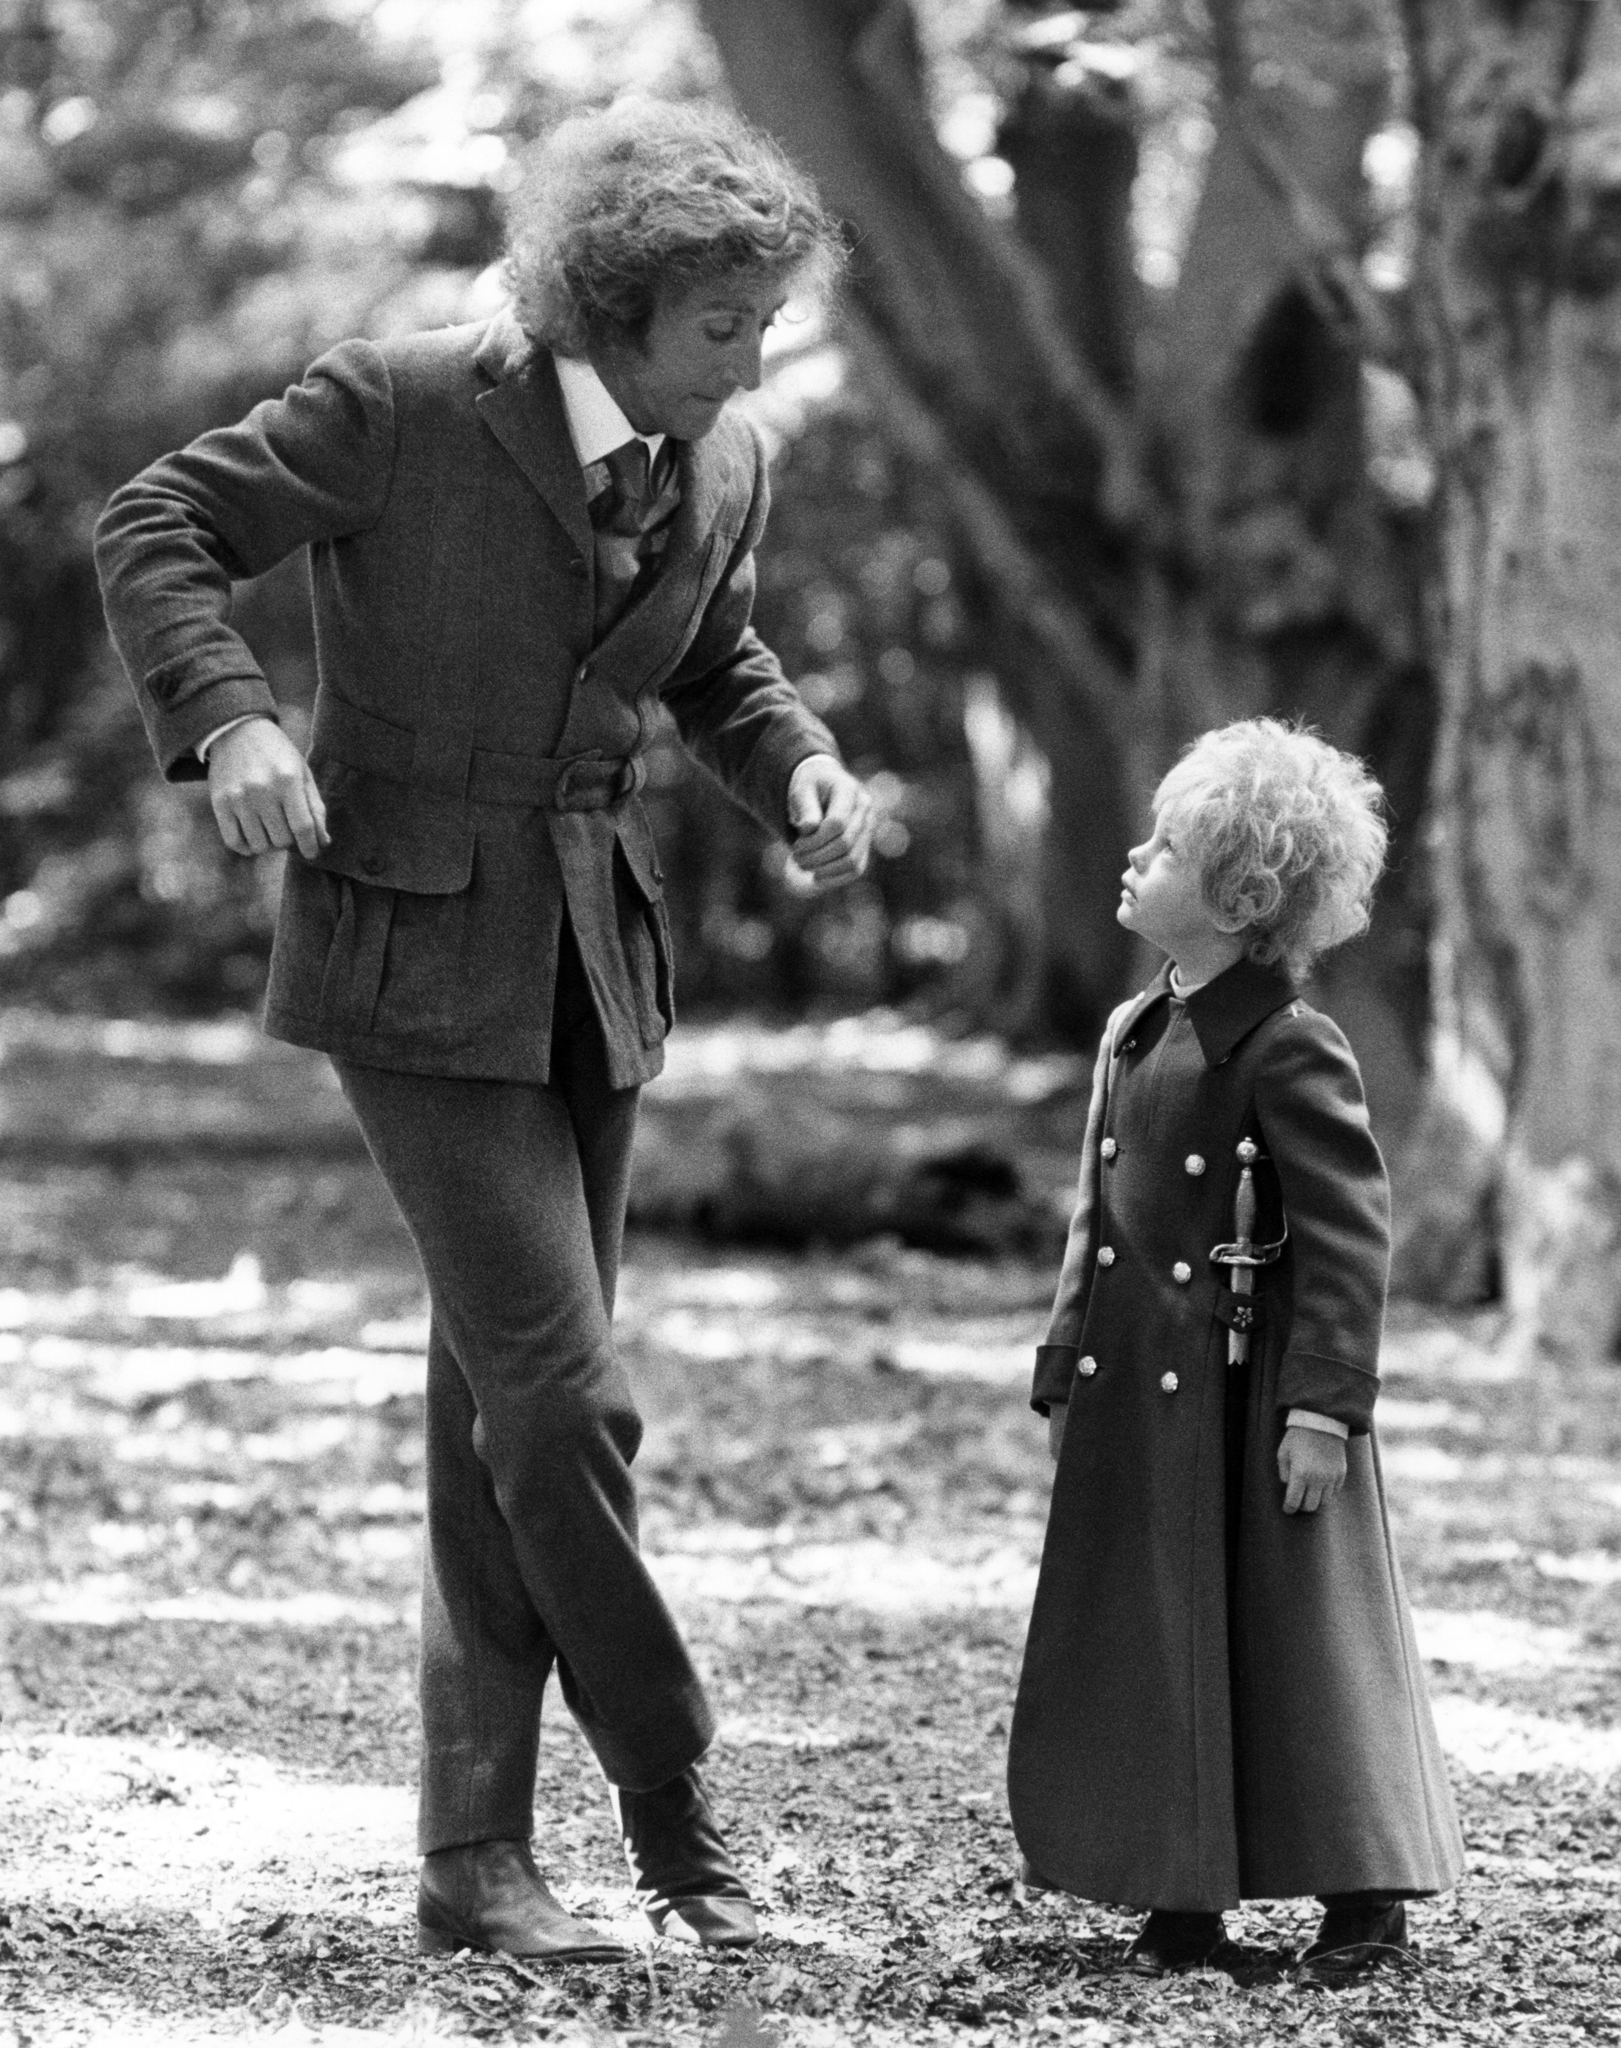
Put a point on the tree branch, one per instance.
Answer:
(1025, 593)
(1229, 48)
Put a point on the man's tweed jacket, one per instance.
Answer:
(478, 756)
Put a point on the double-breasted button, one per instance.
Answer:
(1110, 1148)
(1181, 1272)
(577, 569)
(1105, 1254)
(1169, 1383)
(1193, 1164)
(1087, 1367)
(373, 863)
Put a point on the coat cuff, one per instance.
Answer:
(1328, 1386)
(1308, 1418)
(176, 734)
(1055, 1373)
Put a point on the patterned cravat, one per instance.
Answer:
(631, 503)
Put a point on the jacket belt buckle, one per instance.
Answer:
(591, 783)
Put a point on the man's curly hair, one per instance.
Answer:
(647, 197)
(1286, 832)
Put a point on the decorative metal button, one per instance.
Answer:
(1169, 1383)
(1181, 1272)
(1129, 1046)
(1193, 1164)
(1110, 1148)
(1105, 1254)
(1087, 1367)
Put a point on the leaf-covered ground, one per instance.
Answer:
(210, 1487)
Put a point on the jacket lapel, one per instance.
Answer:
(524, 410)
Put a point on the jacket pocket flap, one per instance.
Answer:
(392, 835)
(641, 857)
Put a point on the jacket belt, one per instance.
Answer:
(574, 782)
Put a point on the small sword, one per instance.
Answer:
(1243, 1255)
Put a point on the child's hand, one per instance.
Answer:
(1311, 1464)
(1056, 1411)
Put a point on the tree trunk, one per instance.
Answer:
(1007, 384)
(1519, 109)
(1248, 565)
(1290, 585)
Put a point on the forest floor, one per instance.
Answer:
(210, 1493)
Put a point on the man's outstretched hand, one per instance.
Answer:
(830, 817)
(263, 793)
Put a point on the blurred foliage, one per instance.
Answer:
(175, 241)
(196, 197)
(859, 595)
(194, 201)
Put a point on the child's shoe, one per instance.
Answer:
(1175, 1941)
(1354, 1938)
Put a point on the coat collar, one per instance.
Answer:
(1222, 1011)
(524, 409)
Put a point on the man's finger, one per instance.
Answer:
(301, 824)
(821, 853)
(317, 806)
(224, 819)
(250, 826)
(1292, 1498)
(807, 807)
(827, 831)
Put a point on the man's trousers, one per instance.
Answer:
(515, 1195)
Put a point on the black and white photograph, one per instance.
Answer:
(810, 1023)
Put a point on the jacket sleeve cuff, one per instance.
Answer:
(1055, 1373)
(178, 732)
(1328, 1386)
(219, 732)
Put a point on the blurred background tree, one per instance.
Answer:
(194, 199)
(1127, 430)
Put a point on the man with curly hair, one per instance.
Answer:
(524, 539)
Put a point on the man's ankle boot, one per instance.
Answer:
(686, 1882)
(489, 1895)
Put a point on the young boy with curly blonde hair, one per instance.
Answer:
(1221, 1695)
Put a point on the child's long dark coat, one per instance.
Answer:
(1219, 1700)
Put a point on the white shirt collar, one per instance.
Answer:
(595, 422)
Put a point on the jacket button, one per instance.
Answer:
(1087, 1367)
(576, 568)
(1110, 1148)
(1105, 1254)
(1193, 1164)
(1129, 1046)
(583, 673)
(1169, 1383)
(373, 863)
(1181, 1272)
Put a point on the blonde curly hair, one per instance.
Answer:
(647, 196)
(1287, 833)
